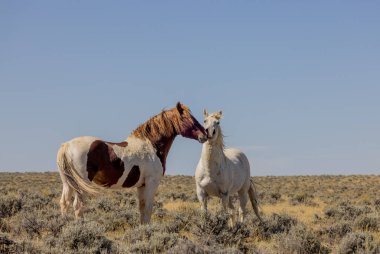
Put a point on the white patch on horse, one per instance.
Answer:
(139, 152)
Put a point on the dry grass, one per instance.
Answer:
(302, 214)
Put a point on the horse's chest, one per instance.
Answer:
(212, 187)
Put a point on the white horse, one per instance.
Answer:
(223, 172)
(138, 161)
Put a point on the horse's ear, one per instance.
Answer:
(219, 115)
(205, 113)
(179, 108)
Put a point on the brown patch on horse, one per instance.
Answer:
(104, 167)
(162, 129)
(162, 150)
(133, 177)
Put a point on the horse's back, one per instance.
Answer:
(237, 157)
(81, 141)
(238, 164)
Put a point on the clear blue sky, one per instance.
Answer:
(298, 81)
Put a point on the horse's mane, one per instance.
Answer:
(167, 123)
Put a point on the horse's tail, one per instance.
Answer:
(254, 199)
(75, 181)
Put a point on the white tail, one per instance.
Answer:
(254, 199)
(77, 182)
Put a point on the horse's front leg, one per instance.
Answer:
(226, 205)
(146, 197)
(202, 197)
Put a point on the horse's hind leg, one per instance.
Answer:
(78, 205)
(65, 201)
(243, 198)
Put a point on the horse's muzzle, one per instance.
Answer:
(202, 139)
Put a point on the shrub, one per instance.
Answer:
(187, 246)
(337, 230)
(177, 196)
(34, 201)
(9, 205)
(346, 211)
(105, 205)
(358, 243)
(367, 223)
(7, 245)
(55, 223)
(4, 226)
(26, 247)
(150, 238)
(302, 198)
(82, 237)
(32, 224)
(119, 219)
(300, 240)
(376, 203)
(276, 224)
(275, 196)
(212, 230)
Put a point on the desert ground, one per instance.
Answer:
(302, 214)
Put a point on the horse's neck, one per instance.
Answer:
(212, 157)
(162, 145)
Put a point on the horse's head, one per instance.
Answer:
(211, 124)
(189, 127)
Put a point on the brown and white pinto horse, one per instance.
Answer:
(139, 161)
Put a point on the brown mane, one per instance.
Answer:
(165, 124)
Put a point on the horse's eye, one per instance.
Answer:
(217, 122)
(204, 121)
